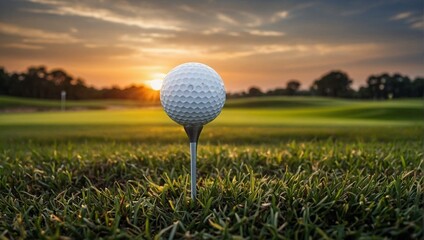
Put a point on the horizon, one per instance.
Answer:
(156, 84)
(256, 44)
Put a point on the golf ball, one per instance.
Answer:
(192, 94)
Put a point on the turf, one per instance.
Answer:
(343, 169)
(8, 103)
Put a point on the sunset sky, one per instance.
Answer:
(249, 43)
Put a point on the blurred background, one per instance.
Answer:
(102, 49)
(332, 61)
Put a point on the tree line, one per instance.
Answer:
(339, 84)
(38, 82)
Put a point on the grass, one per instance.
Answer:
(334, 171)
(8, 103)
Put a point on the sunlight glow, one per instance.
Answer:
(155, 84)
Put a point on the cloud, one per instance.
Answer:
(279, 16)
(402, 15)
(67, 9)
(145, 37)
(158, 35)
(93, 45)
(418, 25)
(299, 50)
(266, 33)
(49, 2)
(214, 30)
(414, 21)
(129, 38)
(344, 49)
(169, 50)
(116, 35)
(32, 35)
(226, 19)
(254, 20)
(23, 46)
(188, 9)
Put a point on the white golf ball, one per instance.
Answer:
(192, 94)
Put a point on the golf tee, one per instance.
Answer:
(193, 156)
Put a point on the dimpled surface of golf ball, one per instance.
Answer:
(192, 94)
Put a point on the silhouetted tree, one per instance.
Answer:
(385, 86)
(333, 84)
(363, 92)
(255, 92)
(4, 82)
(37, 82)
(292, 87)
(376, 85)
(417, 87)
(276, 92)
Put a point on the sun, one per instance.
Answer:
(156, 81)
(155, 84)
